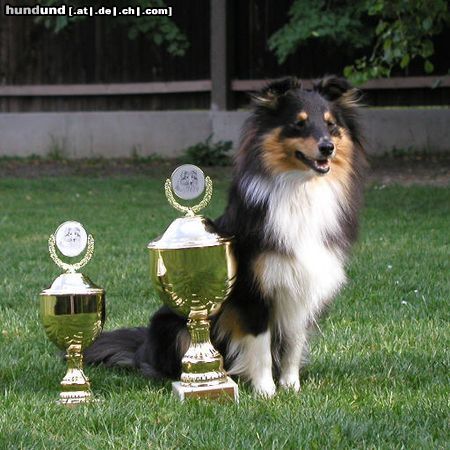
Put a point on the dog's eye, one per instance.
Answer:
(331, 124)
(300, 123)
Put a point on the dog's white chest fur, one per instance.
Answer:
(308, 273)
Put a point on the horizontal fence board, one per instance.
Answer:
(171, 87)
(256, 85)
(382, 83)
(65, 90)
(408, 82)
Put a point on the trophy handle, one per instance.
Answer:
(189, 210)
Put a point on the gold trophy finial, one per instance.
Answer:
(72, 309)
(188, 182)
(193, 270)
(71, 239)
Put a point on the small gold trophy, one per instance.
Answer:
(193, 270)
(72, 309)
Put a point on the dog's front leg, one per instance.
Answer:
(294, 348)
(253, 360)
(260, 365)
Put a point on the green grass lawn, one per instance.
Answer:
(379, 370)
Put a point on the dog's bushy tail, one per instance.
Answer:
(117, 348)
(155, 351)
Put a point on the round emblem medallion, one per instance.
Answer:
(71, 238)
(188, 181)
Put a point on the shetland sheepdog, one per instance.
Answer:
(293, 207)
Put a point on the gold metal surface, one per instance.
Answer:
(72, 312)
(193, 281)
(202, 364)
(193, 269)
(72, 322)
(71, 268)
(189, 210)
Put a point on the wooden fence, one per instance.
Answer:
(92, 66)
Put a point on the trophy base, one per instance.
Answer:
(76, 398)
(223, 391)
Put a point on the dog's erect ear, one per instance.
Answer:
(270, 94)
(282, 86)
(336, 89)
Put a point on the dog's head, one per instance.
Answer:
(307, 130)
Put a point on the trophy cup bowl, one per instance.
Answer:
(193, 270)
(72, 311)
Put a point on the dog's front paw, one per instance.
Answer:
(290, 382)
(264, 387)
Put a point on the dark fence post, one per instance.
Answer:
(220, 60)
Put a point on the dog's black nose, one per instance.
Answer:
(326, 147)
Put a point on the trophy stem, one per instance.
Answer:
(202, 364)
(75, 386)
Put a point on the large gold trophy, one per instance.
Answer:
(192, 268)
(72, 309)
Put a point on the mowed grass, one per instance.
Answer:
(379, 370)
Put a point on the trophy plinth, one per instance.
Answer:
(193, 269)
(227, 390)
(72, 310)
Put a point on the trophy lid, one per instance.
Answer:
(73, 284)
(189, 232)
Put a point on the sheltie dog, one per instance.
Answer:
(293, 206)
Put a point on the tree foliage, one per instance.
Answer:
(320, 19)
(160, 30)
(395, 31)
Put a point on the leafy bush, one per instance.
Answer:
(209, 153)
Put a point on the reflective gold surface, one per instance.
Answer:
(193, 270)
(202, 364)
(189, 210)
(73, 320)
(193, 280)
(71, 268)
